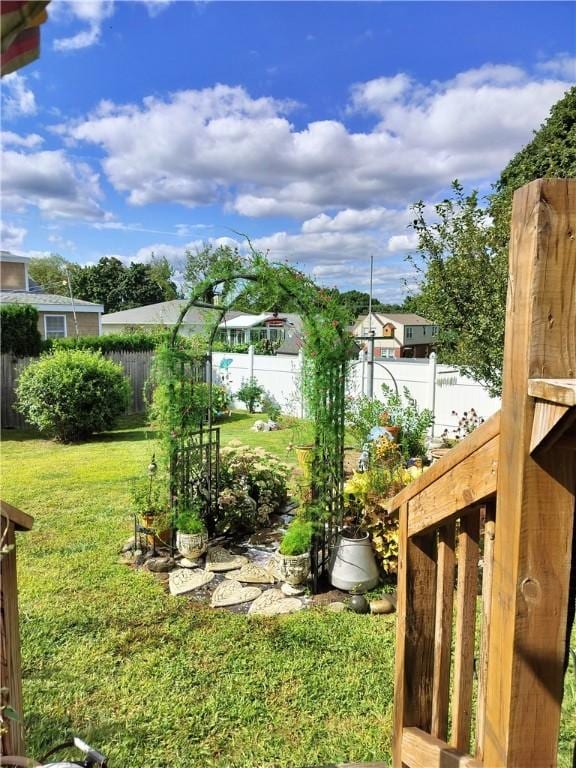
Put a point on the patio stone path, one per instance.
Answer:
(273, 602)
(219, 559)
(251, 574)
(183, 580)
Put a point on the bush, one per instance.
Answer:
(414, 424)
(20, 335)
(70, 394)
(250, 393)
(271, 407)
(297, 539)
(253, 485)
(138, 341)
(362, 414)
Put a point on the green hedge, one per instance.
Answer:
(19, 330)
(114, 342)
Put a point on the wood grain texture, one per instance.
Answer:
(559, 391)
(467, 590)
(415, 635)
(483, 434)
(487, 571)
(468, 483)
(551, 422)
(443, 630)
(535, 498)
(421, 750)
(21, 520)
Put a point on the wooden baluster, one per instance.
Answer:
(467, 591)
(487, 570)
(443, 631)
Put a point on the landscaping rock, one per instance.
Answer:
(129, 545)
(265, 537)
(251, 574)
(220, 559)
(182, 580)
(160, 564)
(383, 605)
(184, 562)
(291, 590)
(273, 602)
(233, 593)
(358, 604)
(336, 607)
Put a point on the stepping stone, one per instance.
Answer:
(160, 564)
(183, 580)
(233, 593)
(273, 602)
(185, 563)
(220, 559)
(290, 590)
(252, 574)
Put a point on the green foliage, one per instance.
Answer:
(150, 495)
(414, 424)
(162, 273)
(20, 335)
(250, 393)
(298, 538)
(271, 406)
(462, 256)
(208, 264)
(362, 414)
(136, 341)
(253, 485)
(50, 273)
(70, 394)
(223, 346)
(190, 521)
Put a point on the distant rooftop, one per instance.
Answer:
(403, 318)
(48, 299)
(162, 313)
(8, 256)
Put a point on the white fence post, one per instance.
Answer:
(300, 375)
(432, 389)
(250, 362)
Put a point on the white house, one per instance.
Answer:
(397, 335)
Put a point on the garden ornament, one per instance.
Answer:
(364, 460)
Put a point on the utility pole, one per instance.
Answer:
(370, 294)
(73, 305)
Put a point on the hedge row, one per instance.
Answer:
(19, 330)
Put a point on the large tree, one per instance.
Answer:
(116, 286)
(462, 252)
(50, 272)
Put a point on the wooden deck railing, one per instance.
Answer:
(504, 496)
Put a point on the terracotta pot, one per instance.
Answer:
(394, 431)
(293, 569)
(191, 545)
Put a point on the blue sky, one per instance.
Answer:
(310, 126)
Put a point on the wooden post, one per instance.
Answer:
(535, 494)
(12, 520)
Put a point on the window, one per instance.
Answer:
(408, 331)
(55, 326)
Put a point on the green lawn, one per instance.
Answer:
(155, 681)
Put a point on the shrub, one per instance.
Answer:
(297, 539)
(250, 393)
(189, 521)
(20, 335)
(70, 394)
(253, 485)
(362, 414)
(271, 407)
(136, 341)
(414, 424)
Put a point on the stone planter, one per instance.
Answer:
(293, 569)
(191, 545)
(353, 565)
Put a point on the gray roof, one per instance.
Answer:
(44, 299)
(8, 256)
(163, 313)
(405, 318)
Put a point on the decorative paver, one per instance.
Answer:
(185, 563)
(273, 602)
(291, 590)
(220, 559)
(183, 580)
(252, 574)
(233, 593)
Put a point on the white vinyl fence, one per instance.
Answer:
(438, 387)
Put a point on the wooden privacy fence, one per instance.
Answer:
(136, 366)
(506, 494)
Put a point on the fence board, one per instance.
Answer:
(443, 630)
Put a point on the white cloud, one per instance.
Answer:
(17, 99)
(402, 242)
(155, 7)
(350, 220)
(563, 65)
(50, 181)
(221, 146)
(11, 236)
(93, 13)
(31, 141)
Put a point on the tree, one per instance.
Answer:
(210, 263)
(162, 273)
(115, 286)
(462, 256)
(50, 272)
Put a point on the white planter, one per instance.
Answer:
(191, 545)
(293, 569)
(353, 565)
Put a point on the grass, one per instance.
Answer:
(153, 680)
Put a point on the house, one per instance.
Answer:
(267, 326)
(58, 315)
(165, 314)
(397, 335)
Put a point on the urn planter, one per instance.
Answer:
(191, 545)
(293, 569)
